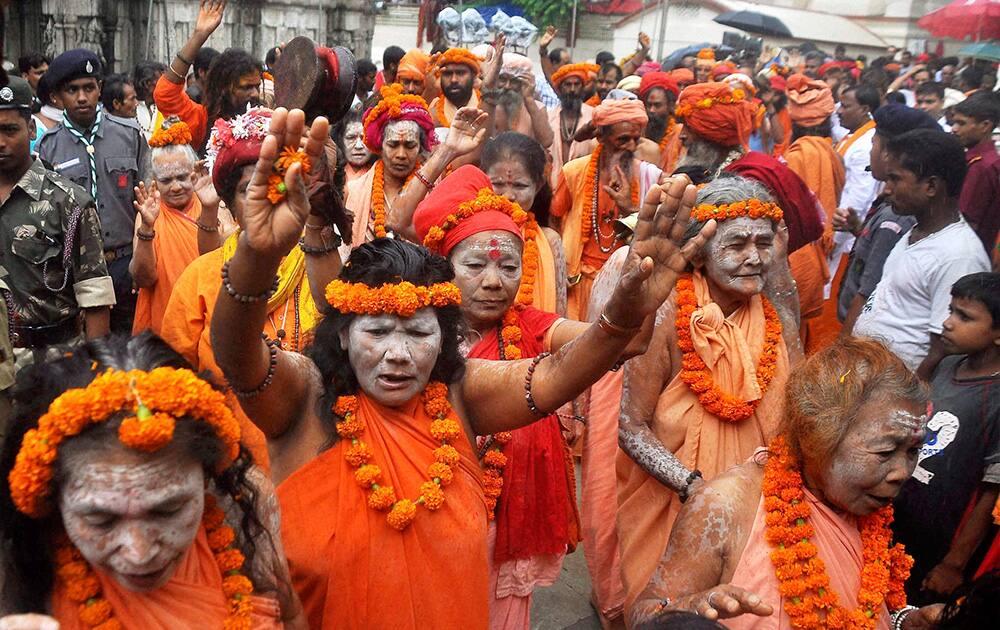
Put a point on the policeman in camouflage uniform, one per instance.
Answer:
(107, 157)
(52, 266)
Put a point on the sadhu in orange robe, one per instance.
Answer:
(193, 598)
(730, 347)
(176, 246)
(355, 572)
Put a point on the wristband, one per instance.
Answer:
(142, 236)
(614, 329)
(178, 55)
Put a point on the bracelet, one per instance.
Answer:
(142, 236)
(272, 364)
(326, 248)
(532, 407)
(246, 299)
(207, 228)
(897, 618)
(614, 329)
(170, 67)
(423, 180)
(683, 494)
(178, 55)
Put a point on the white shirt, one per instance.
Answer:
(860, 187)
(911, 300)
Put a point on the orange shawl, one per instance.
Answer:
(839, 544)
(786, 133)
(731, 348)
(193, 598)
(351, 570)
(175, 245)
(359, 202)
(545, 294)
(673, 150)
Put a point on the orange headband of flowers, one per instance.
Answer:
(402, 299)
(753, 208)
(156, 398)
(177, 133)
(686, 109)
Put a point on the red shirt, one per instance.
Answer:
(980, 198)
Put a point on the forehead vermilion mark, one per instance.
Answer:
(494, 250)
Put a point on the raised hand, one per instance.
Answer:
(547, 37)
(467, 132)
(209, 16)
(620, 190)
(147, 204)
(644, 41)
(657, 256)
(494, 61)
(203, 186)
(273, 229)
(846, 220)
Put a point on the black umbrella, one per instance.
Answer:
(670, 61)
(754, 22)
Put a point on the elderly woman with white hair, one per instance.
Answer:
(176, 221)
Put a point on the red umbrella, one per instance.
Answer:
(978, 19)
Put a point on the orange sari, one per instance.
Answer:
(731, 348)
(352, 570)
(193, 598)
(175, 245)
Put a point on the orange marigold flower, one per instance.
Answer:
(402, 514)
(432, 494)
(350, 429)
(445, 429)
(237, 584)
(276, 189)
(346, 405)
(442, 472)
(447, 454)
(358, 454)
(230, 560)
(367, 475)
(495, 458)
(150, 434)
(110, 624)
(83, 588)
(221, 538)
(94, 612)
(382, 498)
(73, 570)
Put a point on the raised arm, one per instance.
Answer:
(540, 126)
(143, 264)
(638, 57)
(210, 234)
(467, 134)
(543, 51)
(209, 17)
(654, 262)
(270, 232)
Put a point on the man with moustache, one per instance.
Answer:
(658, 92)
(607, 79)
(457, 68)
(104, 155)
(511, 103)
(571, 114)
(46, 222)
(595, 190)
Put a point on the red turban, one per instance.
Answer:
(682, 75)
(393, 107)
(778, 83)
(810, 102)
(235, 143)
(467, 185)
(658, 80)
(717, 113)
(614, 112)
(723, 69)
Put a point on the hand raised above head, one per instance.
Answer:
(468, 130)
(272, 229)
(209, 15)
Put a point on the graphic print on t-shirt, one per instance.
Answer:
(942, 429)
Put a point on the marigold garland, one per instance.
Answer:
(801, 573)
(402, 299)
(84, 588)
(671, 124)
(589, 186)
(276, 189)
(753, 208)
(443, 428)
(686, 109)
(442, 117)
(378, 197)
(594, 100)
(583, 69)
(156, 398)
(699, 378)
(176, 133)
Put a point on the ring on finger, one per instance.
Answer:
(709, 600)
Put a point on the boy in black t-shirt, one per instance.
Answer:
(960, 461)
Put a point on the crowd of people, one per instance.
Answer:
(330, 349)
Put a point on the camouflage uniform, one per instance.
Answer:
(48, 285)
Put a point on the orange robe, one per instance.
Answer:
(731, 348)
(786, 138)
(821, 168)
(673, 150)
(172, 100)
(352, 173)
(545, 296)
(839, 544)
(355, 572)
(576, 149)
(187, 325)
(359, 201)
(193, 598)
(175, 245)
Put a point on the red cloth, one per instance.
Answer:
(778, 83)
(462, 185)
(236, 152)
(614, 112)
(724, 121)
(535, 514)
(722, 70)
(658, 80)
(801, 214)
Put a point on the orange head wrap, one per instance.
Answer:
(707, 53)
(682, 75)
(723, 70)
(810, 102)
(658, 80)
(413, 65)
(458, 55)
(585, 71)
(614, 112)
(717, 112)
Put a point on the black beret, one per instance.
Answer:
(71, 65)
(16, 94)
(893, 120)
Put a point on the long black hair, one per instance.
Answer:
(226, 71)
(27, 543)
(383, 261)
(531, 155)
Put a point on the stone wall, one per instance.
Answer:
(117, 29)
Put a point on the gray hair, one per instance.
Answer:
(171, 149)
(726, 188)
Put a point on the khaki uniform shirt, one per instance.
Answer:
(34, 224)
